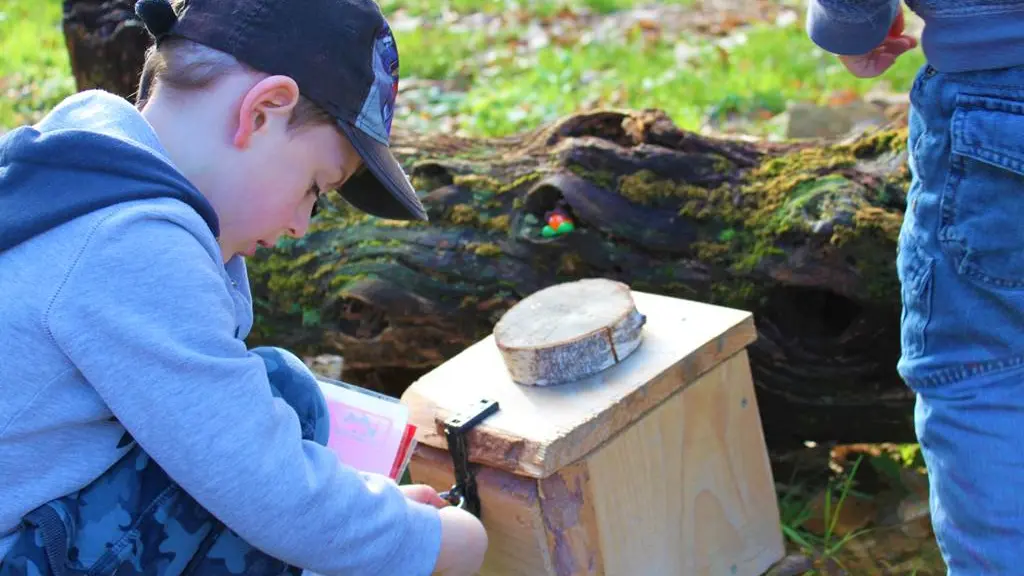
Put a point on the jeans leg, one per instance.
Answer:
(972, 440)
(961, 266)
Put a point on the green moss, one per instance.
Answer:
(485, 249)
(498, 223)
(736, 293)
(815, 160)
(324, 270)
(341, 280)
(389, 243)
(723, 164)
(310, 317)
(304, 259)
(864, 243)
(603, 178)
(462, 214)
(283, 277)
(646, 188)
(810, 201)
(477, 182)
(387, 223)
(710, 251)
(519, 182)
(882, 142)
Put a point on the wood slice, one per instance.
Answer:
(569, 331)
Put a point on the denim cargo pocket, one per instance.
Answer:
(983, 201)
(915, 269)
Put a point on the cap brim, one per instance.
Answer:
(382, 189)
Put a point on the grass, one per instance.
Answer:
(796, 511)
(692, 79)
(34, 69)
(511, 70)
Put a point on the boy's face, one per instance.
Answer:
(277, 172)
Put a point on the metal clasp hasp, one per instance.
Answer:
(463, 493)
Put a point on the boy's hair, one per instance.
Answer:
(341, 53)
(187, 66)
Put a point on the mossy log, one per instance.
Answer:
(106, 44)
(802, 234)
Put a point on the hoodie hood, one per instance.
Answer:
(92, 151)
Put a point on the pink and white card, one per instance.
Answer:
(368, 430)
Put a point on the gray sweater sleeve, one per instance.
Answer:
(850, 27)
(146, 317)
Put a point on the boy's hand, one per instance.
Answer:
(879, 60)
(463, 543)
(423, 494)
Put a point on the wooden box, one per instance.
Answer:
(655, 466)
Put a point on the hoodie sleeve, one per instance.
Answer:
(145, 315)
(850, 27)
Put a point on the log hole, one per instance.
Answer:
(544, 199)
(807, 313)
(362, 320)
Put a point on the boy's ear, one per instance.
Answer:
(267, 104)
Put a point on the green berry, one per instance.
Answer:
(547, 232)
(565, 227)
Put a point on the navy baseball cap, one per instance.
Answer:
(343, 57)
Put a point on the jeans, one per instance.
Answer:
(134, 520)
(960, 262)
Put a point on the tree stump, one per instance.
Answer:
(106, 44)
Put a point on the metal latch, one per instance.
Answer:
(464, 494)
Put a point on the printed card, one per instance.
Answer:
(369, 430)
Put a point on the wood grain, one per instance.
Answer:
(569, 331)
(510, 511)
(688, 489)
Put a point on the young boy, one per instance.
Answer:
(138, 435)
(960, 258)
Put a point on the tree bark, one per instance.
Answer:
(106, 45)
(802, 234)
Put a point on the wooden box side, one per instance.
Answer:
(689, 489)
(510, 510)
(539, 430)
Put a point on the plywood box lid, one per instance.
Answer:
(538, 430)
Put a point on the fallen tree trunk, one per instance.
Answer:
(801, 234)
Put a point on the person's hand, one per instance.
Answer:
(463, 543)
(423, 494)
(879, 60)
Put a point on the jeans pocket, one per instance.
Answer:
(915, 270)
(983, 201)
